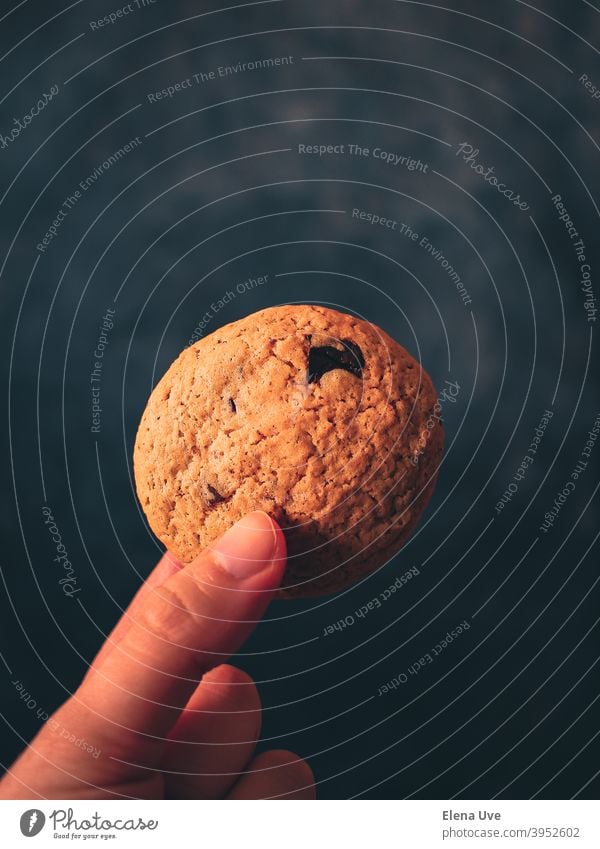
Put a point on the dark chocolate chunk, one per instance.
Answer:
(215, 496)
(232, 405)
(327, 358)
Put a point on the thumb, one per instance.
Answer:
(183, 628)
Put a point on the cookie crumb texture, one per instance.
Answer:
(314, 416)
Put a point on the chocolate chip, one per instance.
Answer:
(215, 496)
(232, 405)
(326, 358)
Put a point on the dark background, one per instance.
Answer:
(218, 193)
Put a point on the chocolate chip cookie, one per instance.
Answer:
(317, 417)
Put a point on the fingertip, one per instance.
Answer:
(300, 775)
(226, 675)
(276, 774)
(253, 545)
(280, 554)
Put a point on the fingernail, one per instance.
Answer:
(247, 547)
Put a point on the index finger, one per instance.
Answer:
(192, 622)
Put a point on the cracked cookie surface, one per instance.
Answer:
(316, 417)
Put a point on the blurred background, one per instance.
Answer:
(184, 151)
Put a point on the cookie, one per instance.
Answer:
(318, 418)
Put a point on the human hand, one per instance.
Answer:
(157, 731)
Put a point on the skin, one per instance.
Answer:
(169, 719)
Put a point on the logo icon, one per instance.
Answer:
(32, 822)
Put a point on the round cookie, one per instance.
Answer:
(317, 417)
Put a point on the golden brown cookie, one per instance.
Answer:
(317, 417)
